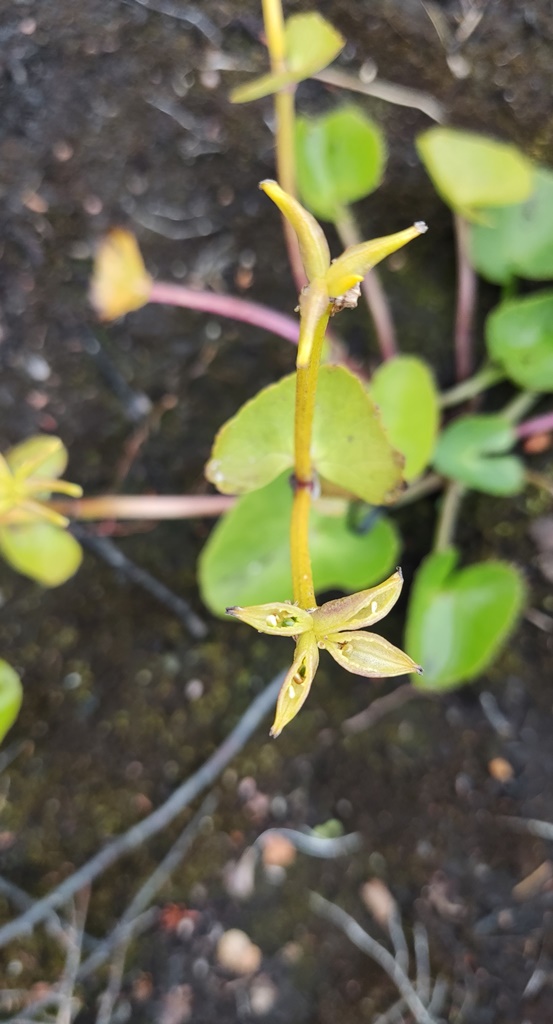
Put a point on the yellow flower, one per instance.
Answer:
(331, 627)
(120, 282)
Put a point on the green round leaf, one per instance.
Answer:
(349, 448)
(471, 450)
(311, 44)
(519, 336)
(46, 553)
(517, 240)
(41, 456)
(405, 393)
(472, 171)
(247, 557)
(340, 158)
(458, 620)
(11, 695)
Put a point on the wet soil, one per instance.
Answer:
(115, 113)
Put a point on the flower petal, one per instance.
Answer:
(358, 610)
(314, 251)
(356, 261)
(276, 618)
(120, 282)
(297, 684)
(367, 654)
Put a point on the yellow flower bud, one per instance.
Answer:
(276, 618)
(358, 610)
(367, 654)
(356, 261)
(314, 251)
(297, 684)
(120, 282)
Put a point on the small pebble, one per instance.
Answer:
(500, 769)
(237, 953)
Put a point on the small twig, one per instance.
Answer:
(313, 845)
(392, 1015)
(520, 405)
(387, 91)
(122, 933)
(144, 506)
(159, 819)
(422, 961)
(105, 549)
(420, 489)
(481, 381)
(123, 937)
(398, 940)
(54, 926)
(449, 512)
(439, 996)
(467, 289)
(365, 942)
(528, 826)
(75, 934)
(380, 707)
(227, 306)
(136, 405)
(495, 716)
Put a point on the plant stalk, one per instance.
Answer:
(227, 306)
(306, 389)
(449, 512)
(148, 506)
(467, 287)
(285, 131)
(467, 389)
(371, 287)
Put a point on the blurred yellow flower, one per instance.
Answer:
(120, 281)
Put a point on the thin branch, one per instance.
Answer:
(528, 826)
(380, 707)
(365, 942)
(422, 961)
(387, 91)
(144, 506)
(159, 819)
(54, 926)
(122, 933)
(467, 290)
(105, 549)
(481, 381)
(227, 306)
(313, 845)
(75, 934)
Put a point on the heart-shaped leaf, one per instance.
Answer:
(349, 448)
(46, 553)
(517, 240)
(340, 158)
(405, 393)
(458, 620)
(247, 557)
(311, 44)
(519, 335)
(471, 451)
(11, 695)
(472, 171)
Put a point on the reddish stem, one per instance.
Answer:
(147, 506)
(537, 425)
(228, 306)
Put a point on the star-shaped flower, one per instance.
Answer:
(333, 627)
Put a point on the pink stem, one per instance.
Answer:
(147, 506)
(537, 425)
(466, 300)
(227, 306)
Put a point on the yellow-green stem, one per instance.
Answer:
(306, 389)
(285, 114)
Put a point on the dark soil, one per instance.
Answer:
(109, 725)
